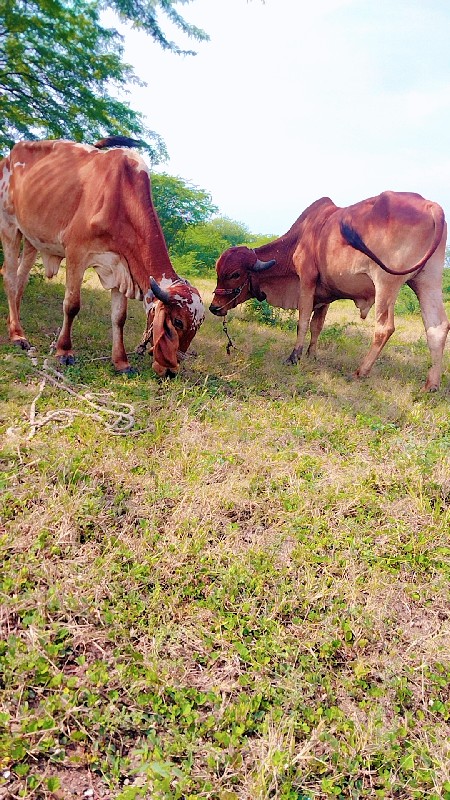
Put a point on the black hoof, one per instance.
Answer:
(128, 371)
(67, 361)
(292, 359)
(22, 343)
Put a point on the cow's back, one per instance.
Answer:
(47, 186)
(399, 227)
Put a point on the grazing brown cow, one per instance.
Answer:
(93, 208)
(365, 253)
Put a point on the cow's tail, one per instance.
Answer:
(353, 238)
(117, 141)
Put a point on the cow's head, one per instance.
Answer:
(235, 269)
(174, 315)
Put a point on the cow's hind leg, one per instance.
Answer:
(11, 241)
(436, 327)
(71, 307)
(27, 260)
(384, 328)
(118, 317)
(315, 327)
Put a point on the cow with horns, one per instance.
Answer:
(92, 205)
(365, 253)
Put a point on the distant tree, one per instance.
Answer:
(447, 257)
(202, 246)
(179, 205)
(59, 69)
(236, 233)
(258, 239)
(233, 232)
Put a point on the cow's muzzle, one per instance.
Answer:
(219, 311)
(164, 372)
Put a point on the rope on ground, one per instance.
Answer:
(117, 417)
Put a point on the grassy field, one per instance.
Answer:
(245, 597)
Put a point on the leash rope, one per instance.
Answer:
(230, 341)
(118, 420)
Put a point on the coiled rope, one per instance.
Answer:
(118, 418)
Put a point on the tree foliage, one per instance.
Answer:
(233, 232)
(144, 15)
(61, 71)
(179, 206)
(202, 244)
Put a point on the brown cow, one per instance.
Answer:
(93, 208)
(332, 253)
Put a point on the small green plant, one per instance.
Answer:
(265, 314)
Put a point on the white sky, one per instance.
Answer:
(290, 101)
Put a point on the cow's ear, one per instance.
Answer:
(261, 266)
(165, 340)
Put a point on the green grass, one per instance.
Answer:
(250, 598)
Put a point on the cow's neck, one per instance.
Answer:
(280, 284)
(143, 242)
(150, 256)
(282, 250)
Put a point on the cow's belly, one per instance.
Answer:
(337, 284)
(52, 253)
(43, 246)
(283, 294)
(340, 283)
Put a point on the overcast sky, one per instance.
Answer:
(292, 101)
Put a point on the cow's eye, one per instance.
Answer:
(234, 276)
(178, 324)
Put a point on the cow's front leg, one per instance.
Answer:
(71, 307)
(305, 308)
(315, 327)
(119, 305)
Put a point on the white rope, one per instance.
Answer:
(116, 417)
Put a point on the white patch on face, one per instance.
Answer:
(196, 310)
(149, 301)
(194, 304)
(165, 282)
(149, 298)
(19, 164)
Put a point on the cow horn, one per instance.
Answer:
(261, 266)
(159, 293)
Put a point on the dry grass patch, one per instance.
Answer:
(247, 600)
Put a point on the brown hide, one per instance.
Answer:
(279, 284)
(364, 252)
(92, 208)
